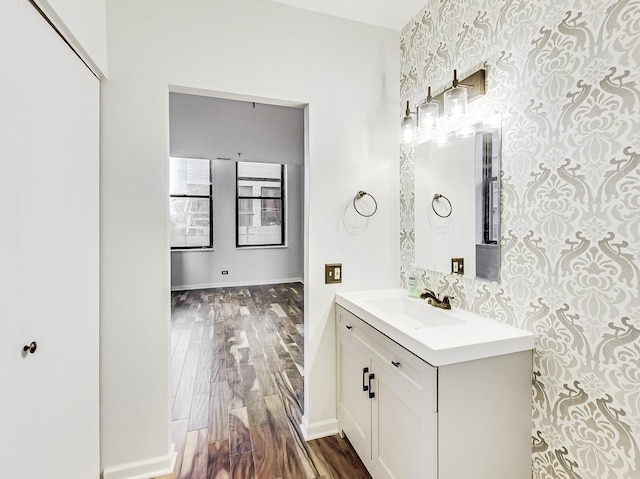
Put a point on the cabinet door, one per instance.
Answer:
(354, 405)
(49, 252)
(404, 424)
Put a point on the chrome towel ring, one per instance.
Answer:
(437, 197)
(359, 196)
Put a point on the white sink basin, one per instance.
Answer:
(438, 336)
(414, 313)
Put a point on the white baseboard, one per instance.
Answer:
(147, 469)
(318, 429)
(233, 284)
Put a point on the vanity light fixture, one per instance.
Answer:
(427, 116)
(493, 122)
(442, 139)
(466, 131)
(408, 127)
(455, 98)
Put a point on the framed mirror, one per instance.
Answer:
(457, 202)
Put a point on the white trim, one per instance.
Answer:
(232, 284)
(69, 37)
(191, 250)
(147, 469)
(234, 96)
(266, 246)
(318, 429)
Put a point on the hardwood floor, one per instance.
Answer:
(237, 368)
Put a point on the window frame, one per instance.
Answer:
(209, 196)
(282, 198)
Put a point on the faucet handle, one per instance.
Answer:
(447, 299)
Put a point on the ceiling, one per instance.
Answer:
(393, 14)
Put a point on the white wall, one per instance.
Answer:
(206, 127)
(83, 24)
(346, 73)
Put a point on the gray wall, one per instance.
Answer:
(206, 127)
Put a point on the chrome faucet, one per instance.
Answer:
(433, 299)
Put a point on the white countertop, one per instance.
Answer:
(469, 337)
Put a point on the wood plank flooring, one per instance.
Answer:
(237, 365)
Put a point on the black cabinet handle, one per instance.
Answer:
(371, 393)
(396, 363)
(348, 327)
(364, 378)
(31, 348)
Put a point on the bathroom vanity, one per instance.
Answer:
(425, 393)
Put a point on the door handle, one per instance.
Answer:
(396, 363)
(371, 393)
(364, 379)
(31, 348)
(348, 326)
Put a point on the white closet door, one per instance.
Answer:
(49, 253)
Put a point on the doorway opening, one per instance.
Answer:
(237, 267)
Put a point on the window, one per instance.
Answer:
(190, 203)
(260, 195)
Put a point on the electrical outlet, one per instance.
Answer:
(457, 265)
(333, 273)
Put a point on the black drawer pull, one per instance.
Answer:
(371, 393)
(365, 387)
(396, 363)
(348, 327)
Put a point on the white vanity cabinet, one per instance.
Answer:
(386, 402)
(407, 419)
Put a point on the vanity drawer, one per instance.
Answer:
(389, 357)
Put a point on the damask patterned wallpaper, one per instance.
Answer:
(566, 77)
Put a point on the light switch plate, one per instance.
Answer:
(333, 273)
(457, 265)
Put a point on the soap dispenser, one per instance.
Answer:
(412, 283)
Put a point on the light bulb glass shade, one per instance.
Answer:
(455, 102)
(494, 121)
(442, 139)
(427, 118)
(407, 130)
(466, 131)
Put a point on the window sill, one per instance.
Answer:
(191, 250)
(262, 247)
